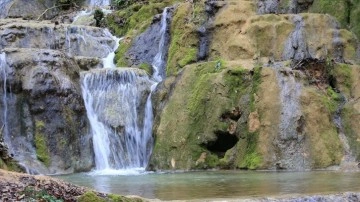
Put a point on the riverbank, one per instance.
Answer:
(348, 196)
(24, 187)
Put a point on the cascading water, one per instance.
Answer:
(348, 161)
(290, 141)
(4, 7)
(112, 97)
(119, 108)
(4, 124)
(158, 62)
(99, 3)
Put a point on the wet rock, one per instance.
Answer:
(296, 47)
(87, 63)
(49, 98)
(145, 46)
(204, 32)
(4, 8)
(72, 39)
(268, 6)
(283, 6)
(31, 9)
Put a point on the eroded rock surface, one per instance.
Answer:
(50, 136)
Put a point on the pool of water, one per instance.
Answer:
(219, 184)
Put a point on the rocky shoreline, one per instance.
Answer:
(24, 187)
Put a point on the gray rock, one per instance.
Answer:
(73, 40)
(31, 9)
(296, 47)
(283, 6)
(145, 46)
(44, 98)
(4, 8)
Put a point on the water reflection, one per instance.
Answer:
(221, 184)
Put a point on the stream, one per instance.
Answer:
(219, 184)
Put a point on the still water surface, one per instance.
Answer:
(219, 184)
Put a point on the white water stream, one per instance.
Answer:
(4, 124)
(99, 3)
(119, 108)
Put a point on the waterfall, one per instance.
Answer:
(99, 3)
(119, 108)
(291, 140)
(112, 99)
(4, 8)
(348, 162)
(158, 62)
(4, 124)
(296, 47)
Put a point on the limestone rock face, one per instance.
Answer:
(47, 126)
(287, 72)
(145, 46)
(73, 40)
(29, 9)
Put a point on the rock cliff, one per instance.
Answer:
(251, 84)
(47, 129)
(266, 95)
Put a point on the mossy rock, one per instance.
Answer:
(184, 39)
(203, 93)
(346, 12)
(42, 152)
(325, 148)
(90, 197)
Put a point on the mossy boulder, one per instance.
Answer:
(203, 99)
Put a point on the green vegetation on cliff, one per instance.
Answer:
(131, 21)
(42, 152)
(347, 12)
(203, 96)
(184, 39)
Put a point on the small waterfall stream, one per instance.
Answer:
(290, 141)
(99, 3)
(348, 161)
(119, 108)
(158, 62)
(4, 124)
(4, 7)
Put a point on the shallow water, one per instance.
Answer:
(219, 184)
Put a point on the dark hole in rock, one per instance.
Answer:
(223, 142)
(234, 114)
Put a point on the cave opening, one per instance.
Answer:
(223, 142)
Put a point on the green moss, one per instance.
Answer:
(120, 54)
(240, 81)
(130, 22)
(2, 164)
(90, 197)
(355, 19)
(330, 100)
(118, 198)
(147, 68)
(42, 152)
(342, 73)
(133, 19)
(350, 121)
(212, 161)
(199, 94)
(346, 12)
(251, 160)
(336, 8)
(184, 40)
(189, 57)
